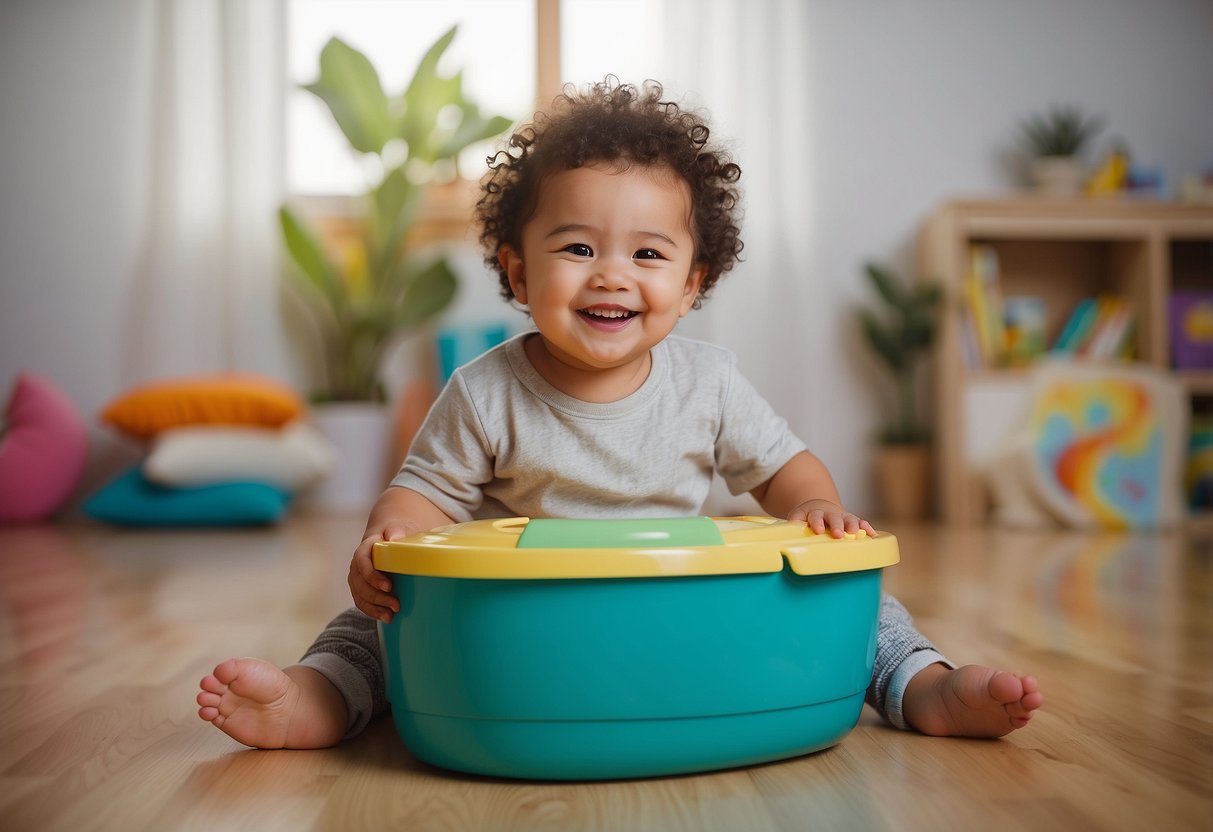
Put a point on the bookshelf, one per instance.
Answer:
(1062, 252)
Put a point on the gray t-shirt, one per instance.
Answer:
(502, 442)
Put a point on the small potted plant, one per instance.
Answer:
(1055, 142)
(367, 291)
(900, 335)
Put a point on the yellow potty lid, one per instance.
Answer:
(521, 548)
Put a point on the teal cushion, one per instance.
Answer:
(131, 500)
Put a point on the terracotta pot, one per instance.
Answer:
(903, 481)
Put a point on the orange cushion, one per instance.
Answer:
(226, 399)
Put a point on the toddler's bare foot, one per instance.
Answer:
(970, 701)
(259, 704)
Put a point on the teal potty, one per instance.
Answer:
(601, 649)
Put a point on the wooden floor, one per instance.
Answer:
(104, 636)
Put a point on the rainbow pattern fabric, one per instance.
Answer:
(1100, 443)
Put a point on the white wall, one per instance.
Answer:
(913, 103)
(910, 103)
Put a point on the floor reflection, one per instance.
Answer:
(44, 598)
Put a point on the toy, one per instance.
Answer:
(593, 649)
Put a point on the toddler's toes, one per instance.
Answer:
(212, 685)
(1005, 688)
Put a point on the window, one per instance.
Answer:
(496, 47)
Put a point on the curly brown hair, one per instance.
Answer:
(613, 122)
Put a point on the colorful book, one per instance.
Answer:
(1078, 327)
(1109, 329)
(1025, 329)
(985, 300)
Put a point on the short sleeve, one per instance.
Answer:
(754, 442)
(450, 459)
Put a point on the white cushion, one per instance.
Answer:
(291, 457)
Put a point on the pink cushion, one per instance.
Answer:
(43, 446)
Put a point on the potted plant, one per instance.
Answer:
(1055, 142)
(369, 291)
(900, 336)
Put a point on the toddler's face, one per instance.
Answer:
(606, 265)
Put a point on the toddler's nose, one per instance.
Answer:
(613, 274)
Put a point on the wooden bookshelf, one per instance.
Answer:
(1061, 251)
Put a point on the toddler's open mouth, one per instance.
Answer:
(606, 317)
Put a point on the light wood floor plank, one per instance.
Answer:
(104, 635)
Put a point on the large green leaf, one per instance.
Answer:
(883, 343)
(396, 202)
(314, 265)
(886, 285)
(429, 292)
(428, 93)
(472, 128)
(350, 86)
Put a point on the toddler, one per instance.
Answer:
(609, 218)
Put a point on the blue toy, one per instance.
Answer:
(597, 649)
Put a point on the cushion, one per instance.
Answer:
(290, 458)
(1102, 447)
(43, 446)
(131, 500)
(226, 399)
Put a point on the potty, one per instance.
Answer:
(604, 649)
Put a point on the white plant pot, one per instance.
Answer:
(1058, 176)
(361, 436)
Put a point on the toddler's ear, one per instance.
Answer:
(691, 291)
(511, 263)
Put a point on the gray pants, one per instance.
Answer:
(347, 653)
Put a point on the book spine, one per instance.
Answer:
(1077, 327)
(985, 300)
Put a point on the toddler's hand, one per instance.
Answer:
(371, 588)
(823, 515)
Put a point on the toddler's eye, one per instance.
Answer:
(579, 250)
(648, 254)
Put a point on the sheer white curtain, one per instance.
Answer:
(206, 289)
(746, 64)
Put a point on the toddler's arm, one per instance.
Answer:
(804, 490)
(399, 512)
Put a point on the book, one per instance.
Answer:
(985, 302)
(1110, 329)
(1099, 328)
(1077, 327)
(1024, 317)
(970, 348)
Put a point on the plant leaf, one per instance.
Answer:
(886, 285)
(350, 86)
(883, 343)
(314, 265)
(429, 292)
(425, 97)
(472, 128)
(396, 202)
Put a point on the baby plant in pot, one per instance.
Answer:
(900, 333)
(368, 291)
(1055, 142)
